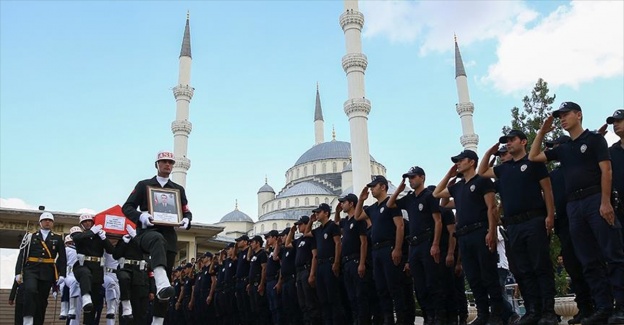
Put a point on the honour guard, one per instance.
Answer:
(40, 264)
(111, 287)
(73, 314)
(159, 241)
(90, 246)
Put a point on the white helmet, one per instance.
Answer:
(46, 216)
(165, 155)
(68, 239)
(85, 217)
(74, 229)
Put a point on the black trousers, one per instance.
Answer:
(308, 301)
(36, 290)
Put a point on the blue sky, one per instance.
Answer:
(86, 101)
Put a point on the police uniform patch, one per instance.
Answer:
(301, 244)
(420, 207)
(253, 259)
(523, 167)
(351, 226)
(381, 210)
(287, 253)
(583, 148)
(325, 236)
(472, 188)
(230, 265)
(244, 256)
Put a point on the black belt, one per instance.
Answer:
(420, 238)
(525, 216)
(352, 257)
(288, 277)
(272, 277)
(303, 267)
(469, 228)
(325, 260)
(243, 279)
(584, 192)
(382, 244)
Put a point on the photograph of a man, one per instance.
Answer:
(164, 204)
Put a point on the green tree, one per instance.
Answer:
(536, 108)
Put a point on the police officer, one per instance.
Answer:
(274, 295)
(526, 195)
(40, 264)
(305, 265)
(159, 241)
(287, 254)
(257, 281)
(447, 259)
(90, 246)
(132, 277)
(387, 235)
(182, 305)
(206, 280)
(425, 229)
(476, 231)
(228, 299)
(617, 160)
(242, 274)
(219, 296)
(586, 166)
(328, 246)
(111, 286)
(354, 254)
(174, 314)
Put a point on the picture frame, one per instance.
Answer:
(165, 205)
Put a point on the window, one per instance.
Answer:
(261, 228)
(344, 164)
(297, 202)
(334, 167)
(324, 169)
(279, 205)
(297, 172)
(287, 203)
(274, 226)
(305, 171)
(326, 200)
(314, 169)
(307, 201)
(316, 201)
(288, 225)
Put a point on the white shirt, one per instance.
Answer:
(162, 180)
(44, 233)
(500, 248)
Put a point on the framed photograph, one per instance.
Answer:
(165, 206)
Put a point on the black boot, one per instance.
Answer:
(441, 318)
(462, 320)
(495, 315)
(599, 317)
(618, 316)
(531, 317)
(388, 319)
(429, 320)
(549, 317)
(451, 318)
(584, 312)
(480, 320)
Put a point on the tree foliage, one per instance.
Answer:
(536, 108)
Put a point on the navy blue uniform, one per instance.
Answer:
(580, 160)
(353, 232)
(529, 243)
(617, 167)
(290, 304)
(425, 271)
(242, 297)
(203, 284)
(274, 298)
(327, 283)
(388, 277)
(187, 283)
(478, 262)
(308, 300)
(259, 306)
(227, 300)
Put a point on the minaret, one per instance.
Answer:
(318, 119)
(357, 106)
(183, 94)
(465, 108)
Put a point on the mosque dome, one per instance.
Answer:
(305, 188)
(266, 188)
(327, 150)
(236, 216)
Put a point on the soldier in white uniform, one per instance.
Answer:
(73, 314)
(111, 287)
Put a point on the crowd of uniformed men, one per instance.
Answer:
(372, 265)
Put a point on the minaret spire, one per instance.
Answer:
(465, 108)
(357, 107)
(183, 94)
(319, 128)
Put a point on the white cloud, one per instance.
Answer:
(8, 258)
(573, 45)
(86, 210)
(15, 203)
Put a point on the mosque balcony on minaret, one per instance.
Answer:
(357, 107)
(182, 163)
(181, 126)
(351, 19)
(183, 91)
(354, 62)
(468, 140)
(465, 108)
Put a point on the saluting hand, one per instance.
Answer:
(452, 172)
(364, 194)
(401, 187)
(603, 130)
(493, 149)
(547, 126)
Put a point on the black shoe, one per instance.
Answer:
(548, 318)
(583, 313)
(530, 318)
(599, 317)
(618, 316)
(480, 320)
(71, 316)
(63, 317)
(494, 320)
(513, 319)
(87, 308)
(165, 293)
(127, 317)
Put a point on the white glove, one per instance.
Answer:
(131, 231)
(60, 281)
(126, 238)
(96, 229)
(54, 295)
(146, 220)
(18, 279)
(185, 224)
(102, 234)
